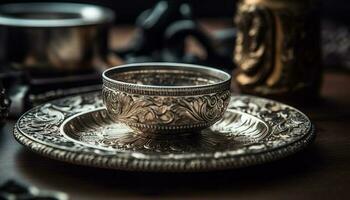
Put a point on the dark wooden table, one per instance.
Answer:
(322, 171)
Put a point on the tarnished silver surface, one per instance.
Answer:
(78, 130)
(166, 98)
(61, 36)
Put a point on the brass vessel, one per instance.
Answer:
(278, 48)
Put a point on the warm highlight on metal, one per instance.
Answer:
(78, 130)
(277, 48)
(166, 98)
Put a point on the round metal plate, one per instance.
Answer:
(78, 130)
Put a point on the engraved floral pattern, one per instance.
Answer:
(233, 131)
(227, 145)
(189, 111)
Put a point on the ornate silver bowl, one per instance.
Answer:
(166, 98)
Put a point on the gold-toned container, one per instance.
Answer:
(278, 48)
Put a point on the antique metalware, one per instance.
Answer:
(78, 130)
(61, 36)
(166, 98)
(278, 48)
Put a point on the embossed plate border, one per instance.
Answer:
(49, 142)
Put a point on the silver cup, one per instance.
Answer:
(166, 98)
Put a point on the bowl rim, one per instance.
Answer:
(88, 14)
(170, 64)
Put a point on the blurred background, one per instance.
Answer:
(132, 38)
(334, 17)
(127, 11)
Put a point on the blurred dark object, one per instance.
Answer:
(4, 104)
(278, 51)
(31, 90)
(161, 36)
(336, 45)
(12, 190)
(43, 88)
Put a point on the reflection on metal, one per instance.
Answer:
(54, 36)
(277, 47)
(78, 130)
(166, 98)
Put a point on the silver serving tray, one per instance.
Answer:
(78, 130)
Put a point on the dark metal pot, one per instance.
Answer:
(59, 36)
